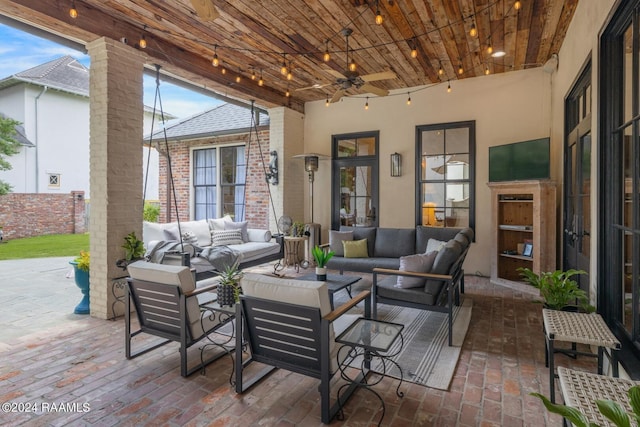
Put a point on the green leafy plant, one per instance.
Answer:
(9, 146)
(133, 247)
(321, 256)
(231, 277)
(83, 261)
(611, 410)
(297, 229)
(151, 212)
(558, 289)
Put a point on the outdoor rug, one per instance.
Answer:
(426, 357)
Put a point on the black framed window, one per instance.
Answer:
(219, 176)
(445, 174)
(354, 180)
(619, 184)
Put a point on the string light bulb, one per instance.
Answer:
(238, 78)
(366, 104)
(473, 32)
(287, 93)
(441, 70)
(409, 98)
(326, 104)
(290, 72)
(379, 19)
(490, 48)
(460, 69)
(73, 12)
(223, 71)
(414, 49)
(260, 80)
(283, 69)
(487, 71)
(215, 61)
(448, 87)
(143, 42)
(517, 5)
(327, 56)
(253, 74)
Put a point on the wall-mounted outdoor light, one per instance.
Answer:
(396, 164)
(272, 174)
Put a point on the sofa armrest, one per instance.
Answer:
(259, 235)
(412, 274)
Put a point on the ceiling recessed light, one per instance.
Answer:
(498, 54)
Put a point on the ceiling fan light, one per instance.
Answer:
(352, 66)
(498, 54)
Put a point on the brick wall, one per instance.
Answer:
(28, 215)
(257, 192)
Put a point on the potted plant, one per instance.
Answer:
(133, 250)
(81, 266)
(229, 285)
(321, 257)
(297, 229)
(558, 290)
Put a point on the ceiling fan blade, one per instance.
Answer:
(384, 75)
(374, 89)
(205, 9)
(314, 86)
(336, 74)
(337, 96)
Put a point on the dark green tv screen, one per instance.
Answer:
(519, 161)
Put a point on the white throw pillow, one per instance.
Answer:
(226, 237)
(419, 263)
(242, 226)
(218, 223)
(434, 245)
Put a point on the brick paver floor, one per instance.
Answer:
(75, 373)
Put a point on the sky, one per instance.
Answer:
(20, 51)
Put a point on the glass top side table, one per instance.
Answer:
(370, 339)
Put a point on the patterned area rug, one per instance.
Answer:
(426, 357)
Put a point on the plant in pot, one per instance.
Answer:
(81, 266)
(321, 257)
(229, 285)
(558, 290)
(133, 250)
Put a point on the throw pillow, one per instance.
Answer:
(226, 237)
(355, 248)
(189, 237)
(434, 245)
(419, 263)
(242, 226)
(218, 223)
(171, 233)
(335, 241)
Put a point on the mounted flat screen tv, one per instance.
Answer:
(519, 161)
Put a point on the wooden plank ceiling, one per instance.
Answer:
(254, 38)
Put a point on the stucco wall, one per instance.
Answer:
(509, 107)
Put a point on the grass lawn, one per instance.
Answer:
(45, 246)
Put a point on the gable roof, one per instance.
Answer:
(225, 119)
(65, 74)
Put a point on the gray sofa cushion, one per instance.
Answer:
(335, 241)
(462, 239)
(442, 264)
(419, 263)
(395, 242)
(360, 233)
(423, 234)
(469, 233)
(364, 265)
(387, 289)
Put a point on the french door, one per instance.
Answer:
(577, 180)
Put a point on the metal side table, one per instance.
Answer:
(370, 339)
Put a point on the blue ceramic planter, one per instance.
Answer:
(82, 281)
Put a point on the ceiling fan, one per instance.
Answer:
(350, 78)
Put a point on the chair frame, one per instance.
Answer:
(305, 351)
(167, 318)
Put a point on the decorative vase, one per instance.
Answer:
(81, 278)
(226, 295)
(321, 273)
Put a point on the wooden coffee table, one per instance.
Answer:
(335, 283)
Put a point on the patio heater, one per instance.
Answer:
(311, 161)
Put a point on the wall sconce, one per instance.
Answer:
(272, 174)
(396, 164)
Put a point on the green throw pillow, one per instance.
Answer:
(355, 248)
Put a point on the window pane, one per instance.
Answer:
(347, 148)
(457, 140)
(432, 142)
(627, 74)
(457, 166)
(366, 146)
